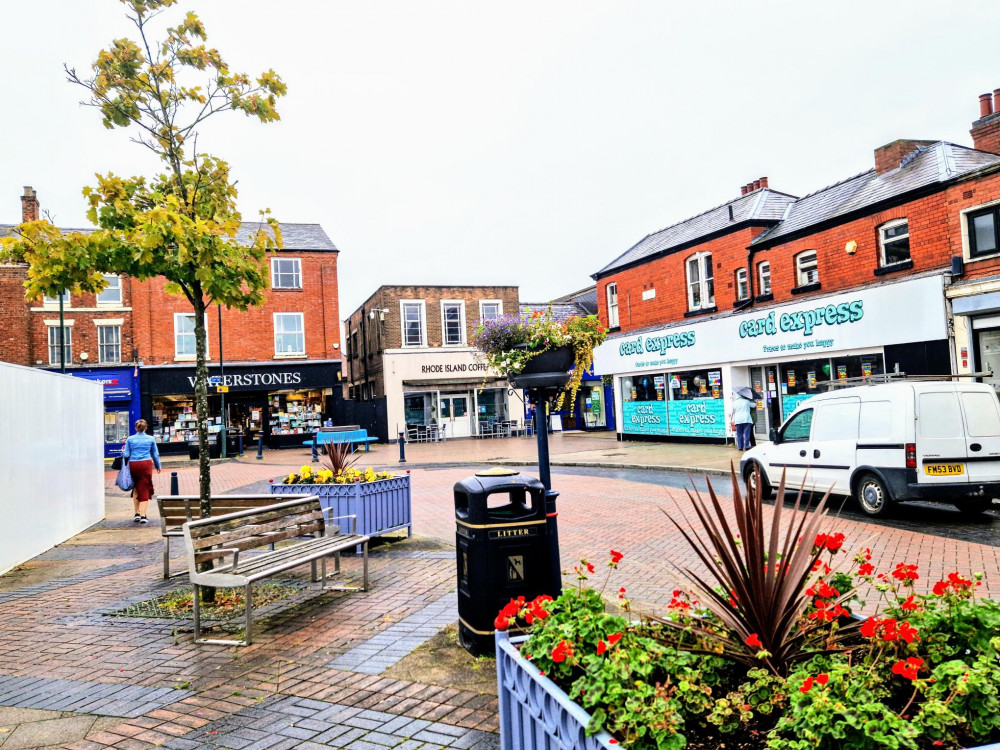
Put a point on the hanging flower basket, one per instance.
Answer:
(548, 369)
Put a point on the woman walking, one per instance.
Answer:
(742, 418)
(142, 456)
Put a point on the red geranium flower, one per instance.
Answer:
(561, 651)
(753, 641)
(807, 684)
(822, 679)
(866, 569)
(910, 604)
(906, 573)
(613, 639)
(601, 647)
(908, 668)
(616, 557)
(621, 593)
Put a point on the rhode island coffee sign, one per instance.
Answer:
(277, 377)
(854, 320)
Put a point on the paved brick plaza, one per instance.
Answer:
(73, 677)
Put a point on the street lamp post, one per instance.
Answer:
(541, 396)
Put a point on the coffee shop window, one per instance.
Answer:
(412, 314)
(453, 322)
(490, 309)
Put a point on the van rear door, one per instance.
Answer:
(982, 420)
(941, 441)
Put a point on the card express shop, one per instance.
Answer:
(657, 344)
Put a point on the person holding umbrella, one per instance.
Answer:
(742, 416)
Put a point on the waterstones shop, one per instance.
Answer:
(677, 382)
(282, 401)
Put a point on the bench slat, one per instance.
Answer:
(254, 527)
(263, 516)
(267, 559)
(254, 542)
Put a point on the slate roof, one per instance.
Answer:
(301, 237)
(763, 205)
(586, 299)
(924, 167)
(560, 310)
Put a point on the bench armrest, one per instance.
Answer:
(354, 519)
(236, 555)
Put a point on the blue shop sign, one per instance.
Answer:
(119, 383)
(698, 417)
(121, 403)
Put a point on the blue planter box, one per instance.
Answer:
(380, 506)
(536, 714)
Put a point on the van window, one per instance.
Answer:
(798, 427)
(875, 420)
(981, 414)
(939, 416)
(837, 421)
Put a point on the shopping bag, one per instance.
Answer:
(124, 479)
(116, 464)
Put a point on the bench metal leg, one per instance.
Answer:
(217, 641)
(166, 558)
(313, 577)
(248, 637)
(365, 588)
(336, 572)
(197, 612)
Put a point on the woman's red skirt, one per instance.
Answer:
(142, 478)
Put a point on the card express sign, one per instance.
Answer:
(854, 320)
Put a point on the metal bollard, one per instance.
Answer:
(174, 489)
(239, 444)
(315, 442)
(402, 447)
(260, 446)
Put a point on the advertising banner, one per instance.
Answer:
(645, 417)
(700, 417)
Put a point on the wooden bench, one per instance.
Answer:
(176, 510)
(221, 541)
(342, 436)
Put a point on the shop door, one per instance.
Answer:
(761, 419)
(455, 416)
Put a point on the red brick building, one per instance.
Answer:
(890, 269)
(281, 361)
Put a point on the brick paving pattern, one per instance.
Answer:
(289, 688)
(101, 698)
(381, 651)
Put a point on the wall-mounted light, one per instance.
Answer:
(851, 247)
(336, 346)
(84, 356)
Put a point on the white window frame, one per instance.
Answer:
(801, 271)
(296, 274)
(101, 327)
(116, 287)
(302, 329)
(54, 301)
(612, 294)
(764, 272)
(705, 283)
(966, 231)
(53, 330)
(423, 322)
(742, 285)
(484, 302)
(444, 322)
(190, 357)
(882, 240)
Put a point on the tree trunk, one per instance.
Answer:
(201, 407)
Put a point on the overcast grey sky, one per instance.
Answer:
(527, 143)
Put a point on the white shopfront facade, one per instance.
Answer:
(449, 387)
(678, 381)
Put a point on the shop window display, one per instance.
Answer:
(296, 413)
(684, 404)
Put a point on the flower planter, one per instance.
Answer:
(535, 713)
(551, 368)
(380, 506)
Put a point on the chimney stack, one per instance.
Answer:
(756, 184)
(985, 105)
(29, 205)
(763, 182)
(986, 130)
(743, 189)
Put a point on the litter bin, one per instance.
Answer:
(214, 449)
(502, 547)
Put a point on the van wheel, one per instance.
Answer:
(872, 496)
(975, 507)
(750, 476)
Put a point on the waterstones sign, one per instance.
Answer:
(899, 313)
(180, 380)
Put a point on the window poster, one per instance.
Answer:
(675, 382)
(715, 377)
(715, 391)
(866, 369)
(841, 372)
(684, 388)
(811, 379)
(791, 378)
(702, 387)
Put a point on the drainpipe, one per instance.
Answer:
(364, 339)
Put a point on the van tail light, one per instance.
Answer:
(911, 455)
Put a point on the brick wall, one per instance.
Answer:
(15, 320)
(385, 330)
(247, 336)
(936, 227)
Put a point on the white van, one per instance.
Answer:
(889, 442)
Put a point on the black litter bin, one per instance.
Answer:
(214, 449)
(503, 551)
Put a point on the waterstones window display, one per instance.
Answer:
(296, 413)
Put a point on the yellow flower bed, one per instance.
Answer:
(308, 475)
